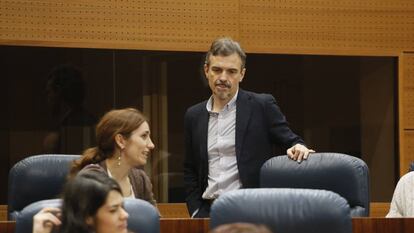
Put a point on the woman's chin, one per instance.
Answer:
(141, 162)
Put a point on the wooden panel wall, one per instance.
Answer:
(348, 27)
(183, 25)
(3, 213)
(370, 27)
(327, 26)
(406, 94)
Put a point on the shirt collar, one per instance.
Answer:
(231, 104)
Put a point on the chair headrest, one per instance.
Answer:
(284, 210)
(37, 178)
(24, 220)
(143, 217)
(343, 174)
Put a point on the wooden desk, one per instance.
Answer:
(173, 210)
(382, 225)
(7, 226)
(181, 225)
(3, 213)
(379, 209)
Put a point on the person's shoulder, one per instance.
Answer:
(409, 177)
(197, 108)
(406, 181)
(93, 167)
(259, 97)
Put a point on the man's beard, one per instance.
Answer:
(222, 95)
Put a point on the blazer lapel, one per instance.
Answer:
(243, 113)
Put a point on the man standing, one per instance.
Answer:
(230, 136)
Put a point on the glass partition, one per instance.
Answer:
(340, 104)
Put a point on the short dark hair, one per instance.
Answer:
(225, 46)
(83, 195)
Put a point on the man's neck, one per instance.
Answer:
(218, 104)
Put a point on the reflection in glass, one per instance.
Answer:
(71, 127)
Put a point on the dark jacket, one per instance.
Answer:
(259, 126)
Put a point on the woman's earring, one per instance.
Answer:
(119, 157)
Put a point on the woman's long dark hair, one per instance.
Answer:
(119, 121)
(83, 195)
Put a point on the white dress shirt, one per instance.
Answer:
(223, 174)
(402, 204)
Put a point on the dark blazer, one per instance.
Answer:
(259, 126)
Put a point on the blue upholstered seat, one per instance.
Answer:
(143, 217)
(343, 174)
(36, 178)
(284, 210)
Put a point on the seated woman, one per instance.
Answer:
(402, 204)
(91, 203)
(123, 146)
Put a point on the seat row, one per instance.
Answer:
(318, 194)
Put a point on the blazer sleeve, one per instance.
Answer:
(278, 126)
(191, 168)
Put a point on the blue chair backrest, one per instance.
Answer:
(24, 221)
(36, 178)
(343, 174)
(284, 210)
(143, 217)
